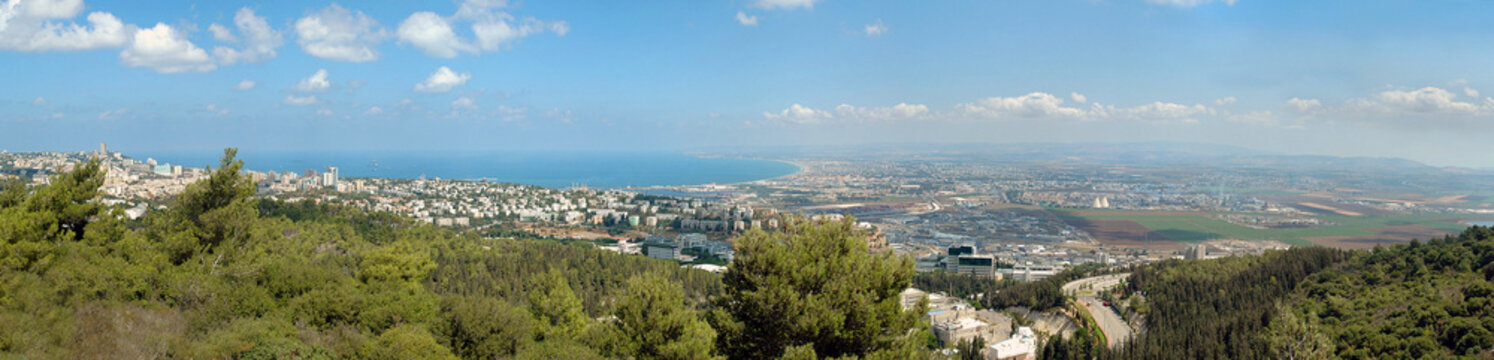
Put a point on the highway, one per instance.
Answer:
(1111, 323)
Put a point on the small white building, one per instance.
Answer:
(1021, 346)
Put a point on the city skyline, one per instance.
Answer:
(1378, 78)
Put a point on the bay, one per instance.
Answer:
(547, 169)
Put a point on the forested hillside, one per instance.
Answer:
(1422, 300)
(220, 274)
(1431, 300)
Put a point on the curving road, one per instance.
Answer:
(1111, 323)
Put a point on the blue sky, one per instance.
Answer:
(1355, 78)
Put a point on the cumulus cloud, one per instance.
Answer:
(745, 20)
(222, 33)
(1427, 100)
(783, 4)
(433, 35)
(39, 101)
(1225, 101)
(1079, 98)
(44, 25)
(1154, 112)
(1305, 106)
(336, 33)
(799, 114)
(463, 103)
(492, 29)
(1427, 108)
(876, 29)
(317, 82)
(301, 100)
(260, 40)
(324, 112)
(373, 110)
(245, 85)
(442, 80)
(165, 50)
(1034, 105)
(1189, 3)
(899, 112)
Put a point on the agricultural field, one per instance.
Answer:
(1163, 229)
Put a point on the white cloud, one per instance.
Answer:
(48, 9)
(260, 40)
(245, 85)
(432, 34)
(876, 29)
(336, 33)
(442, 80)
(1305, 106)
(492, 28)
(214, 109)
(222, 33)
(745, 20)
(1079, 98)
(799, 114)
(35, 25)
(783, 4)
(899, 112)
(373, 110)
(317, 82)
(1470, 92)
(1154, 112)
(463, 103)
(1189, 3)
(502, 31)
(166, 50)
(1225, 101)
(301, 100)
(114, 114)
(324, 112)
(1034, 105)
(1427, 108)
(1424, 101)
(39, 101)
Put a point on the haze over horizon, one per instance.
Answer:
(1364, 78)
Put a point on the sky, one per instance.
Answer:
(1347, 78)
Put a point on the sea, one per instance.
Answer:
(557, 169)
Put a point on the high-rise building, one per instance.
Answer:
(333, 171)
(1199, 251)
(103, 149)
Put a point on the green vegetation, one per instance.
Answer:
(811, 291)
(223, 275)
(1422, 300)
(1045, 294)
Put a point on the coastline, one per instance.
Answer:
(601, 170)
(798, 169)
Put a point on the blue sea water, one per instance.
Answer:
(548, 169)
